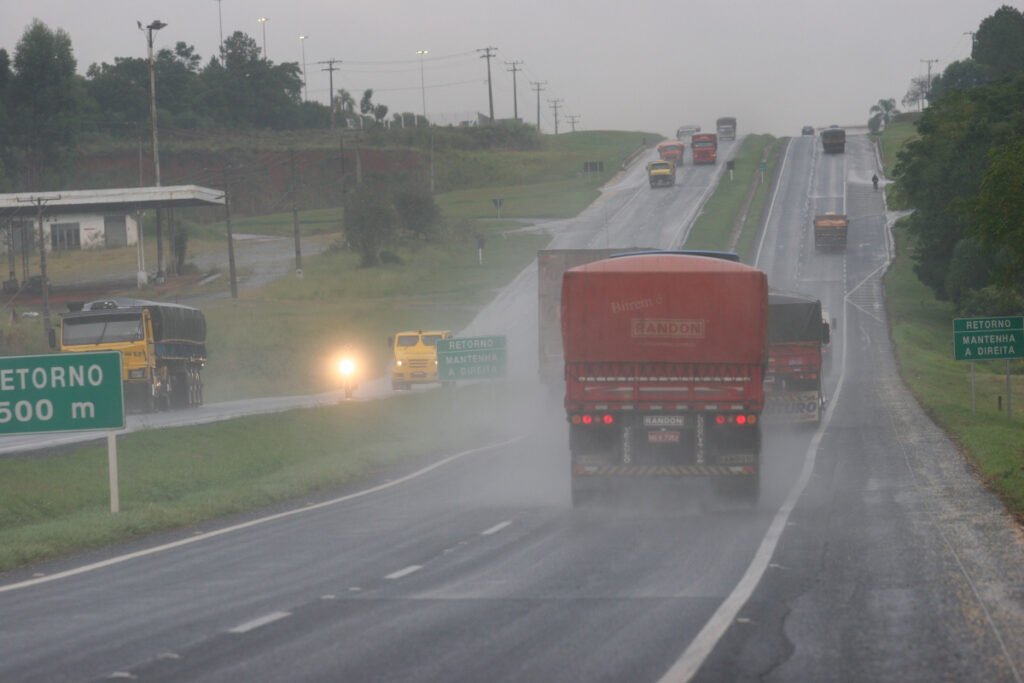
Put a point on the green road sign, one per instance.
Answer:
(61, 392)
(996, 338)
(471, 358)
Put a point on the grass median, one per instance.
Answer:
(723, 223)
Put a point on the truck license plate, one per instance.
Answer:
(663, 436)
(664, 420)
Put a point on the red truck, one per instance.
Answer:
(705, 148)
(672, 150)
(797, 336)
(664, 366)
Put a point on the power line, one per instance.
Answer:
(538, 87)
(555, 104)
(490, 92)
(928, 92)
(330, 70)
(573, 118)
(515, 98)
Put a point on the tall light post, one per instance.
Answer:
(263, 22)
(305, 85)
(156, 25)
(423, 88)
(220, 24)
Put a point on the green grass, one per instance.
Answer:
(922, 332)
(170, 478)
(895, 135)
(276, 340)
(714, 227)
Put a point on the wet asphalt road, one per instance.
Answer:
(873, 555)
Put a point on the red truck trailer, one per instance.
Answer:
(705, 148)
(664, 366)
(797, 335)
(672, 150)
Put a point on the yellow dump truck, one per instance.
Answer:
(415, 357)
(163, 347)
(830, 231)
(661, 173)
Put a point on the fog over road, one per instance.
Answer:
(874, 554)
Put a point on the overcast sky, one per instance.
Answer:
(647, 65)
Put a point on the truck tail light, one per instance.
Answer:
(740, 419)
(608, 419)
(587, 419)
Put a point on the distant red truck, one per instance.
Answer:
(664, 365)
(797, 337)
(672, 150)
(705, 148)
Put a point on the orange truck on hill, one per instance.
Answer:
(672, 150)
(705, 148)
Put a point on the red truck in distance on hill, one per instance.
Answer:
(705, 148)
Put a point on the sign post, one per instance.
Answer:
(993, 338)
(64, 392)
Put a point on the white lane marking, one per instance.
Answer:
(700, 647)
(495, 529)
(771, 206)
(168, 656)
(260, 621)
(411, 569)
(254, 522)
(123, 674)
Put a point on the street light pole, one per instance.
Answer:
(263, 21)
(156, 25)
(220, 24)
(305, 85)
(423, 88)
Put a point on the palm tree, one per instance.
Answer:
(884, 112)
(346, 105)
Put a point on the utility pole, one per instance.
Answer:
(330, 71)
(973, 39)
(295, 216)
(305, 84)
(573, 118)
(231, 242)
(490, 93)
(156, 25)
(538, 87)
(515, 96)
(928, 93)
(555, 104)
(39, 201)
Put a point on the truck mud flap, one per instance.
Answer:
(792, 407)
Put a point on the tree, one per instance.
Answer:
(346, 105)
(959, 75)
(44, 101)
(999, 42)
(366, 103)
(370, 223)
(247, 89)
(380, 112)
(999, 211)
(917, 93)
(417, 210)
(963, 176)
(881, 114)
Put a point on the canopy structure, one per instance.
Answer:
(115, 200)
